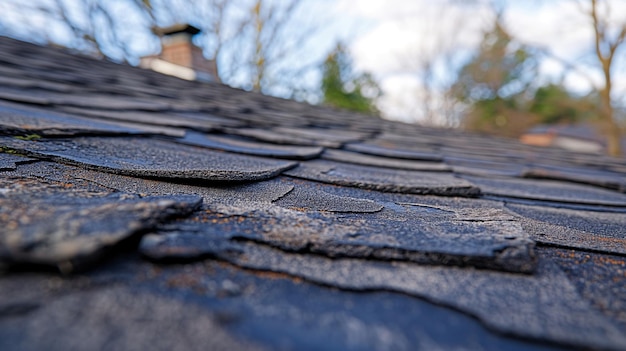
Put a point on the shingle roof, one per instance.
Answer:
(190, 215)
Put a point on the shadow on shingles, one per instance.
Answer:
(518, 311)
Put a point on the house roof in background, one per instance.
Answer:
(141, 210)
(584, 131)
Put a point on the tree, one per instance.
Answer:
(270, 27)
(606, 45)
(256, 44)
(494, 83)
(97, 26)
(553, 104)
(343, 88)
(433, 59)
(608, 38)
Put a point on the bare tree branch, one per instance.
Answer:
(606, 62)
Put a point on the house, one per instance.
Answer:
(143, 211)
(582, 137)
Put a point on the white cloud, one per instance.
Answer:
(564, 29)
(378, 9)
(407, 31)
(403, 33)
(403, 36)
(400, 101)
(557, 25)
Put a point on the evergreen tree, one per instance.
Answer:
(494, 84)
(553, 104)
(343, 88)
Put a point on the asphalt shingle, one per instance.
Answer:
(21, 120)
(374, 178)
(54, 223)
(251, 147)
(155, 158)
(386, 162)
(393, 150)
(516, 310)
(548, 190)
(9, 162)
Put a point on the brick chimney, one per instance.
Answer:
(179, 56)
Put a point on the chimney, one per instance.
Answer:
(179, 56)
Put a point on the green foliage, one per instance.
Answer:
(342, 88)
(494, 83)
(554, 104)
(497, 86)
(501, 69)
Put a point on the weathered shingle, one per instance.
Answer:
(153, 158)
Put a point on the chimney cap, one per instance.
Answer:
(175, 29)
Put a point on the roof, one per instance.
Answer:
(585, 131)
(575, 138)
(143, 211)
(176, 29)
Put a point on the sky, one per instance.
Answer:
(403, 33)
(394, 39)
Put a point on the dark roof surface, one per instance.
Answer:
(185, 215)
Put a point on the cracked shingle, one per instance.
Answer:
(21, 120)
(395, 150)
(387, 162)
(591, 230)
(9, 162)
(153, 158)
(318, 200)
(51, 223)
(518, 310)
(310, 219)
(251, 147)
(548, 190)
(365, 177)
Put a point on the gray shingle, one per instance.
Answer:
(339, 226)
(307, 199)
(251, 147)
(393, 150)
(9, 162)
(509, 303)
(52, 223)
(153, 158)
(16, 119)
(591, 230)
(548, 190)
(386, 162)
(413, 182)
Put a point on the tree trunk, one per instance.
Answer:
(612, 130)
